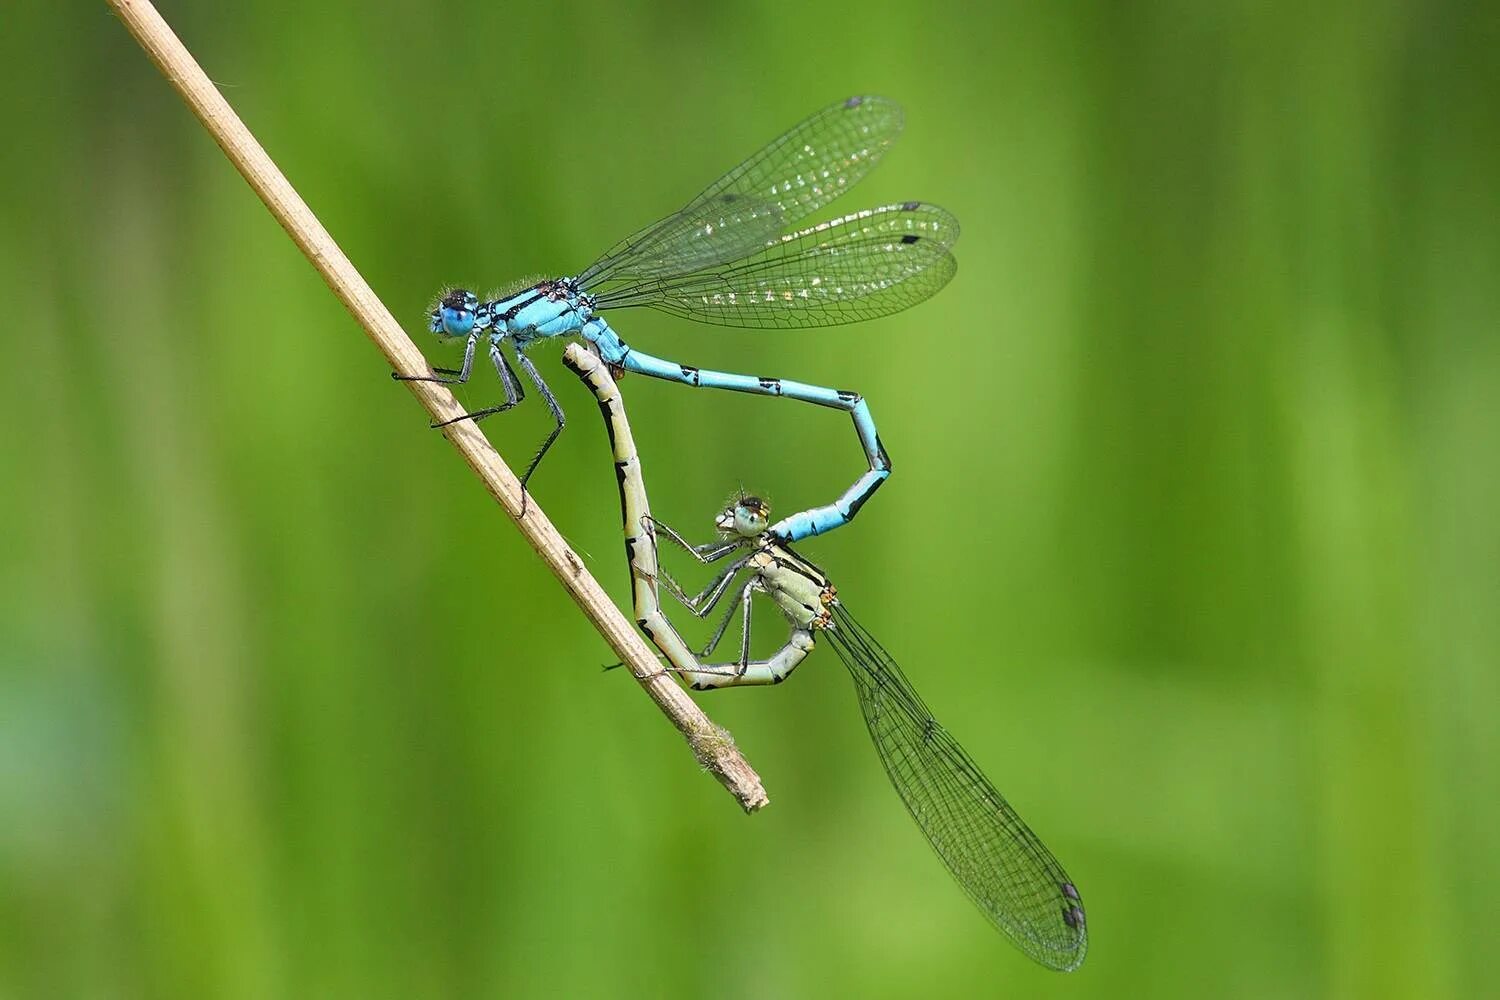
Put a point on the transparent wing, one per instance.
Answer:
(795, 175)
(726, 227)
(997, 860)
(868, 264)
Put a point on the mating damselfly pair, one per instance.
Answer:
(727, 258)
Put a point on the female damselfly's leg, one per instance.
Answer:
(815, 520)
(708, 552)
(745, 672)
(703, 603)
(744, 605)
(702, 609)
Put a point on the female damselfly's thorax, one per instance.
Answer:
(798, 587)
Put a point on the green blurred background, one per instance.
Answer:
(1192, 538)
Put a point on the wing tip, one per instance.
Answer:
(874, 102)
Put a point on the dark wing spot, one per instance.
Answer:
(910, 238)
(854, 102)
(910, 206)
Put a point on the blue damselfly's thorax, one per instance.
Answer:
(551, 308)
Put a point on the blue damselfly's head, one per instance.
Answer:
(456, 314)
(747, 517)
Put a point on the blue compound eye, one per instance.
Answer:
(456, 314)
(457, 322)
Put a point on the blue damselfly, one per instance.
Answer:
(727, 258)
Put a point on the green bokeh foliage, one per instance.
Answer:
(1191, 537)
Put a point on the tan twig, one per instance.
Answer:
(714, 752)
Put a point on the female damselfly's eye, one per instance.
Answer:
(751, 515)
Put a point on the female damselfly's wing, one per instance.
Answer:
(787, 180)
(868, 264)
(994, 856)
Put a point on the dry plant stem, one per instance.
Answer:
(178, 66)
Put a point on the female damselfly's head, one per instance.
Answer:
(456, 314)
(747, 517)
